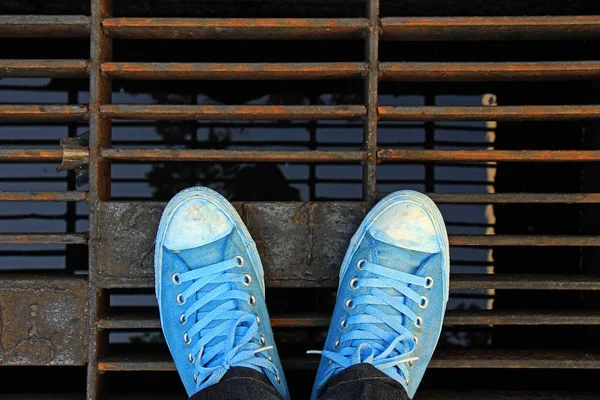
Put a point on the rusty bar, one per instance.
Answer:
(186, 112)
(101, 48)
(522, 317)
(394, 155)
(524, 240)
(30, 155)
(43, 196)
(443, 358)
(233, 71)
(491, 28)
(524, 281)
(371, 103)
(43, 320)
(42, 113)
(489, 71)
(500, 113)
(235, 28)
(44, 68)
(43, 238)
(44, 26)
(523, 198)
(309, 156)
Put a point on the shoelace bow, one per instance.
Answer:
(364, 341)
(223, 336)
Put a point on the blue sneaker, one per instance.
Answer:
(392, 294)
(210, 290)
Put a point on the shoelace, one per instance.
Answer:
(223, 336)
(387, 350)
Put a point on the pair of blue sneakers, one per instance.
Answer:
(211, 293)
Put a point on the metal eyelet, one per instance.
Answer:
(180, 299)
(277, 378)
(270, 358)
(258, 320)
(343, 324)
(419, 322)
(329, 362)
(416, 341)
(354, 283)
(428, 282)
(424, 302)
(182, 319)
(175, 278)
(337, 343)
(191, 358)
(195, 379)
(240, 261)
(410, 363)
(349, 304)
(252, 300)
(186, 338)
(247, 280)
(407, 381)
(262, 340)
(360, 264)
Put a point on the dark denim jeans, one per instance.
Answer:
(361, 381)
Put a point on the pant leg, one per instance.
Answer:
(240, 383)
(362, 382)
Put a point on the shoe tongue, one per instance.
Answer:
(398, 258)
(202, 256)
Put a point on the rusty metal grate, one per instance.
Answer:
(494, 116)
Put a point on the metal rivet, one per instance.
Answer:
(349, 304)
(252, 300)
(180, 299)
(354, 283)
(240, 261)
(247, 280)
(424, 302)
(360, 264)
(428, 282)
(175, 278)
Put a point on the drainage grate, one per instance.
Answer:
(304, 113)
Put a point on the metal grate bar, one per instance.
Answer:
(396, 155)
(32, 26)
(523, 198)
(231, 71)
(311, 156)
(371, 102)
(39, 113)
(491, 28)
(30, 155)
(186, 112)
(524, 240)
(500, 113)
(43, 196)
(44, 68)
(487, 71)
(235, 28)
(43, 238)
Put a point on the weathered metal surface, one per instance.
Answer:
(524, 198)
(43, 320)
(489, 71)
(42, 113)
(185, 112)
(232, 71)
(43, 238)
(44, 68)
(43, 196)
(524, 240)
(491, 28)
(30, 155)
(445, 358)
(394, 155)
(371, 101)
(314, 156)
(44, 26)
(234, 28)
(525, 281)
(499, 113)
(300, 244)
